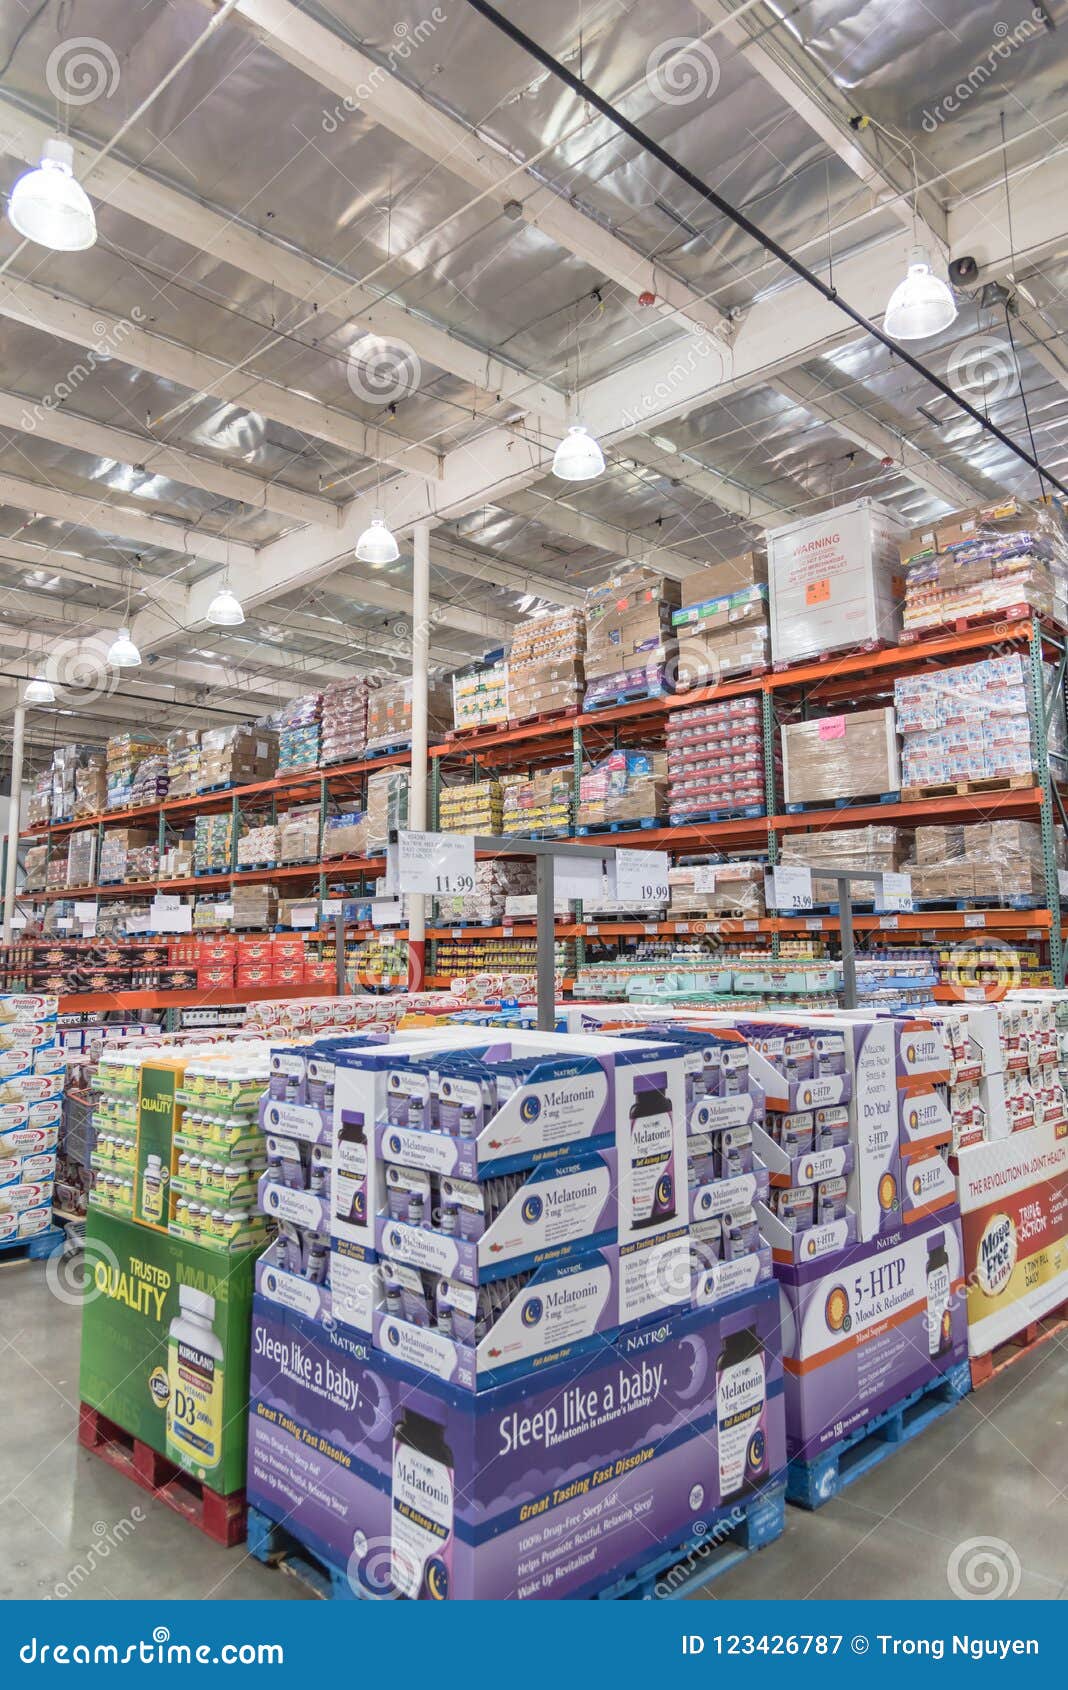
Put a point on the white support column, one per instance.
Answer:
(417, 792)
(17, 739)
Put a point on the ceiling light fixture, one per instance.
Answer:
(376, 544)
(48, 206)
(225, 609)
(39, 692)
(578, 456)
(122, 653)
(922, 304)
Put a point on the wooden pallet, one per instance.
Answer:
(670, 1573)
(967, 624)
(222, 1518)
(567, 714)
(1019, 1346)
(968, 788)
(828, 657)
(810, 1484)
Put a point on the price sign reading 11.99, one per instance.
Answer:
(641, 877)
(438, 863)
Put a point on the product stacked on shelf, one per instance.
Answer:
(90, 784)
(972, 723)
(480, 697)
(988, 862)
(715, 760)
(258, 846)
(623, 788)
(39, 802)
(545, 665)
(125, 753)
(991, 558)
(81, 858)
(834, 581)
(32, 1083)
(239, 755)
(344, 721)
(631, 648)
(497, 879)
(459, 959)
(722, 623)
(299, 731)
(298, 835)
(127, 853)
(183, 762)
(389, 714)
(494, 1224)
(854, 850)
(717, 889)
(471, 807)
(837, 757)
(539, 805)
(386, 811)
(151, 782)
(213, 842)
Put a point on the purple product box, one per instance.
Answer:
(543, 1488)
(868, 1327)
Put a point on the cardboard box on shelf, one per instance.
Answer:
(843, 756)
(834, 580)
(730, 575)
(705, 659)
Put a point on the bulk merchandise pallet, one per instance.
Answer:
(795, 691)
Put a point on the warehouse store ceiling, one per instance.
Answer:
(352, 256)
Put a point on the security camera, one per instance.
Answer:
(963, 272)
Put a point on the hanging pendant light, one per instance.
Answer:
(225, 609)
(578, 456)
(122, 653)
(49, 206)
(922, 304)
(376, 544)
(39, 692)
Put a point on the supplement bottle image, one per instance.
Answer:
(651, 1151)
(195, 1381)
(350, 1174)
(152, 1182)
(741, 1414)
(939, 1320)
(422, 1513)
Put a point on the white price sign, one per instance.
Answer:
(438, 863)
(578, 877)
(791, 887)
(1062, 882)
(641, 877)
(170, 918)
(895, 893)
(303, 915)
(704, 877)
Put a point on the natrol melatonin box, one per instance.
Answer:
(861, 1332)
(551, 1486)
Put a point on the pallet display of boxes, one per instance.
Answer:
(715, 758)
(988, 558)
(39, 803)
(213, 843)
(988, 861)
(298, 835)
(834, 581)
(538, 804)
(255, 906)
(258, 846)
(344, 721)
(389, 714)
(471, 807)
(124, 753)
(239, 755)
(630, 644)
(480, 697)
(722, 624)
(116, 847)
(545, 665)
(857, 850)
(299, 733)
(183, 762)
(81, 858)
(833, 757)
(625, 786)
(32, 1079)
(496, 881)
(150, 783)
(91, 785)
(971, 722)
(720, 889)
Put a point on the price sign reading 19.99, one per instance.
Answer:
(438, 863)
(641, 877)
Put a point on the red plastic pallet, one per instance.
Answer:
(222, 1518)
(1021, 1344)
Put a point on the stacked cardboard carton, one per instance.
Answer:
(91, 785)
(183, 762)
(630, 643)
(987, 861)
(471, 807)
(834, 581)
(150, 782)
(39, 804)
(298, 835)
(480, 696)
(389, 714)
(299, 731)
(124, 752)
(237, 756)
(540, 804)
(344, 721)
(625, 786)
(988, 558)
(857, 850)
(716, 889)
(972, 722)
(546, 665)
(115, 849)
(722, 623)
(835, 757)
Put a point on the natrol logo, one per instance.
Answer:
(818, 544)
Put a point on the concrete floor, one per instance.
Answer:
(996, 1467)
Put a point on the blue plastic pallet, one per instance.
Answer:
(641, 826)
(666, 1576)
(34, 1249)
(388, 748)
(810, 1484)
(687, 818)
(842, 803)
(979, 904)
(629, 695)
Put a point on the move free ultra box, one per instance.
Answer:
(864, 1330)
(546, 1487)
